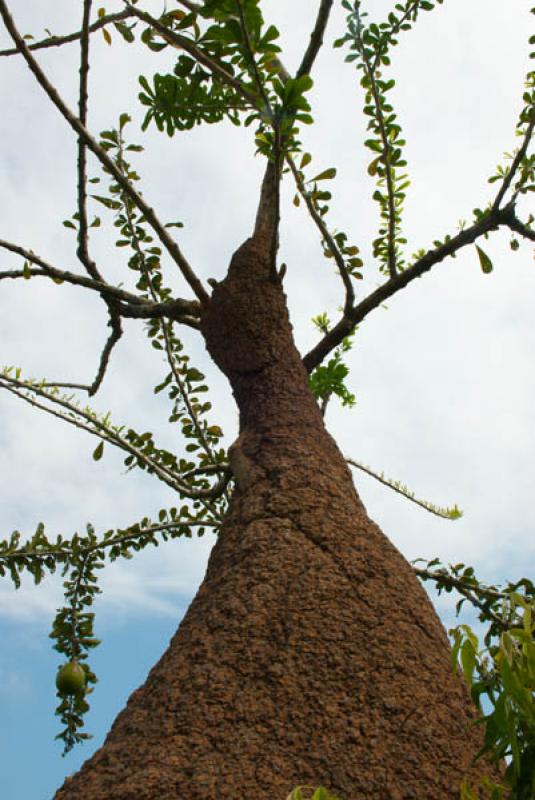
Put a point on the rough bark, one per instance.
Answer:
(310, 655)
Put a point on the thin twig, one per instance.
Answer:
(326, 236)
(396, 29)
(494, 219)
(516, 162)
(88, 421)
(316, 38)
(520, 227)
(468, 590)
(443, 513)
(250, 53)
(392, 267)
(83, 228)
(149, 214)
(168, 350)
(101, 545)
(57, 41)
(83, 248)
(116, 333)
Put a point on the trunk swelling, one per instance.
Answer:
(310, 655)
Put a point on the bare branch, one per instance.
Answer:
(494, 219)
(92, 389)
(149, 214)
(57, 41)
(316, 38)
(83, 251)
(516, 162)
(115, 335)
(326, 236)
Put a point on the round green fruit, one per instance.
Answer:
(70, 678)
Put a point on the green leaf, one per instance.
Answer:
(484, 260)
(327, 174)
(26, 272)
(97, 454)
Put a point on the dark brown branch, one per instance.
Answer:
(520, 227)
(130, 305)
(316, 38)
(516, 162)
(326, 236)
(57, 41)
(92, 389)
(467, 590)
(494, 219)
(163, 235)
(83, 249)
(113, 338)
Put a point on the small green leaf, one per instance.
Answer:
(26, 272)
(484, 260)
(97, 454)
(327, 174)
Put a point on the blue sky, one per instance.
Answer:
(444, 379)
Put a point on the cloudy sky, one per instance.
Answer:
(443, 377)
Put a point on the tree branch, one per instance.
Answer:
(316, 38)
(129, 305)
(326, 235)
(387, 149)
(57, 41)
(466, 589)
(83, 249)
(492, 220)
(87, 420)
(397, 486)
(520, 227)
(116, 333)
(149, 214)
(516, 162)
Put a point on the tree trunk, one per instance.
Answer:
(311, 654)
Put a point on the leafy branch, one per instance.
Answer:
(446, 513)
(80, 129)
(80, 558)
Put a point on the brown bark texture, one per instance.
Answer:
(311, 654)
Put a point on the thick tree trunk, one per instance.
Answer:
(310, 655)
